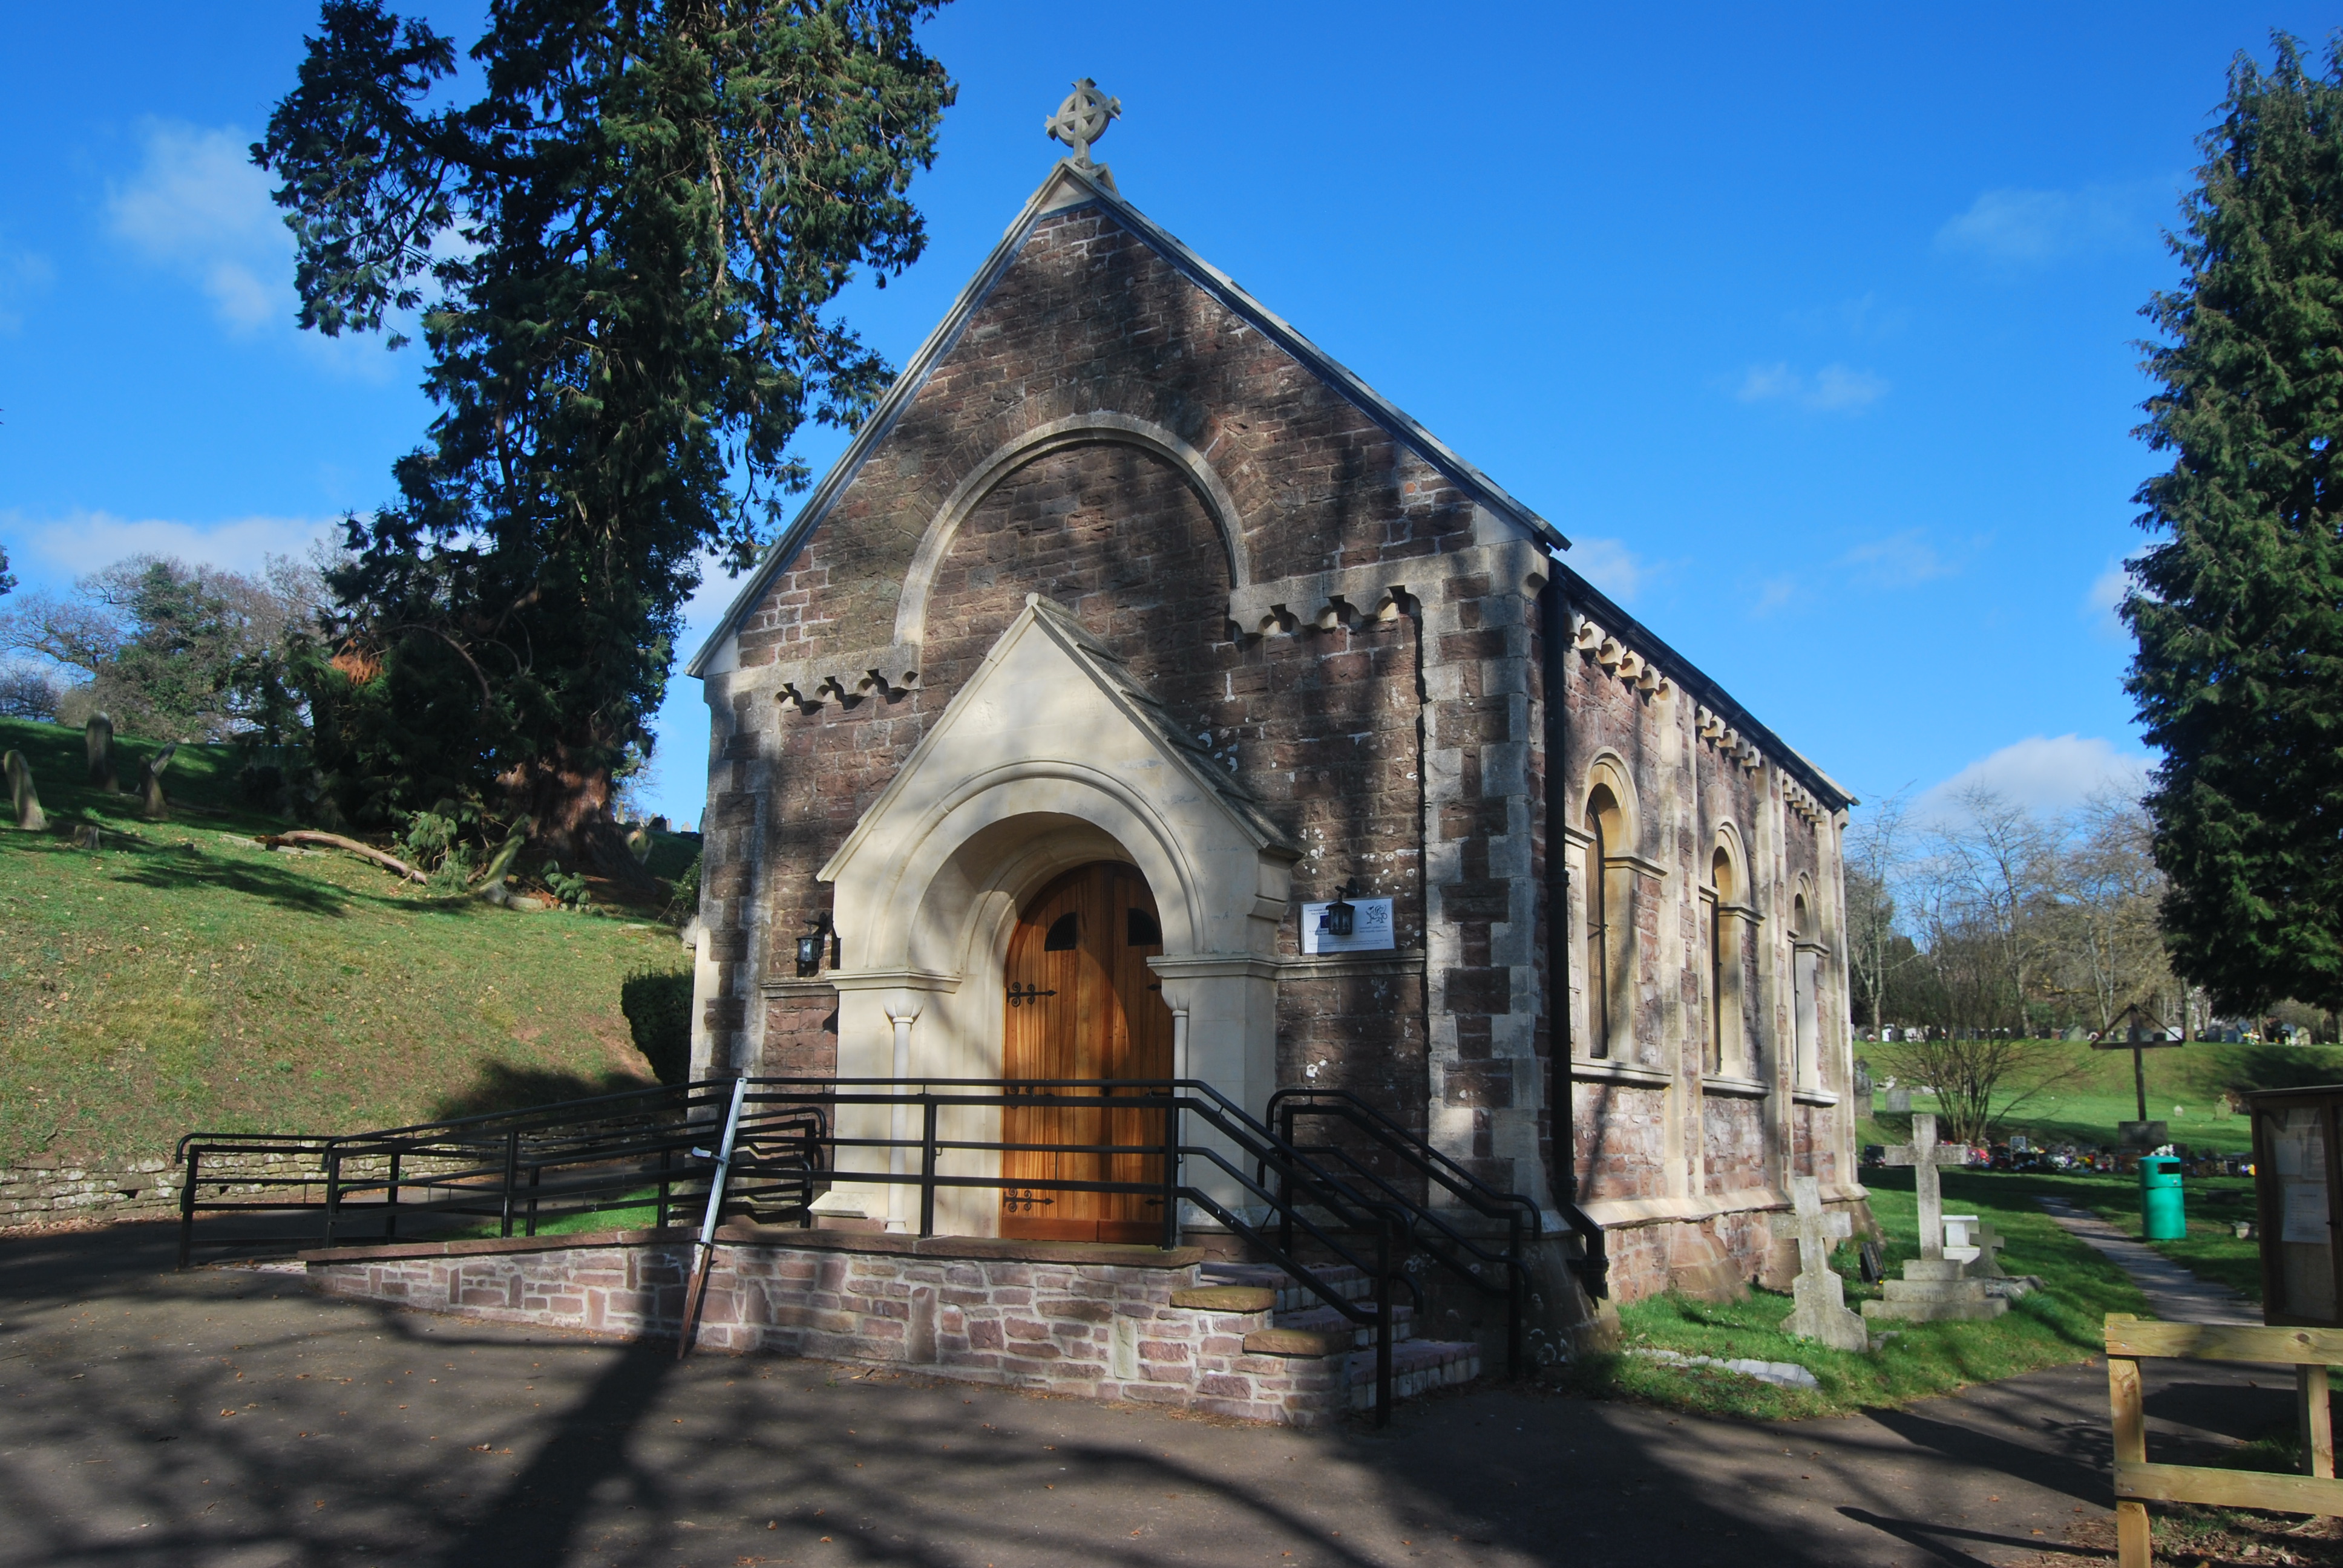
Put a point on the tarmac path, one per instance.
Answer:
(230, 1417)
(2173, 1292)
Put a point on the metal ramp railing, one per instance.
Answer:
(1309, 1210)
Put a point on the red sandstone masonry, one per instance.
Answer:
(965, 1311)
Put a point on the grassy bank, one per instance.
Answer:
(2055, 1326)
(183, 976)
(2092, 1090)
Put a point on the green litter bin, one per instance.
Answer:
(2159, 1198)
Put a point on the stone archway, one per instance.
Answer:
(1047, 759)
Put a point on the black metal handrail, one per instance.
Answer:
(1461, 1254)
(1259, 1151)
(617, 1152)
(1298, 1207)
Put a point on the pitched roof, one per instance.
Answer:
(1067, 186)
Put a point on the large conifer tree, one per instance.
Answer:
(622, 249)
(2238, 605)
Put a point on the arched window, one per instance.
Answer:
(1805, 969)
(1727, 1012)
(1610, 926)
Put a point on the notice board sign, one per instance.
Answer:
(1370, 929)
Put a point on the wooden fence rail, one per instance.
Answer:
(2131, 1340)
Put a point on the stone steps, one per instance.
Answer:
(1323, 1319)
(1292, 1295)
(1417, 1366)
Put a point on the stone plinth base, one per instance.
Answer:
(1934, 1289)
(1094, 1321)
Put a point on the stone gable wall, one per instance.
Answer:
(1399, 740)
(1324, 715)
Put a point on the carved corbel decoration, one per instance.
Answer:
(876, 683)
(846, 678)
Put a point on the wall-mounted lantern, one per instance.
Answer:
(809, 946)
(1340, 917)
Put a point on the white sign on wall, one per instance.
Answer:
(1371, 928)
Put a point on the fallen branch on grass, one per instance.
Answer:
(335, 842)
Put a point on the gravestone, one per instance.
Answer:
(1987, 1244)
(152, 804)
(2142, 1137)
(97, 738)
(1899, 1101)
(1821, 1312)
(492, 882)
(1927, 1158)
(1934, 1288)
(1862, 1089)
(23, 798)
(1958, 1230)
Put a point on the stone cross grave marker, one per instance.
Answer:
(1986, 1264)
(1821, 1311)
(1925, 1155)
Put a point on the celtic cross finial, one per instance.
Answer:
(1082, 119)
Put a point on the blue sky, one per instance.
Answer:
(1812, 326)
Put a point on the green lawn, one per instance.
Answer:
(2060, 1324)
(184, 977)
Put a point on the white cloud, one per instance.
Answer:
(22, 273)
(2042, 774)
(198, 206)
(1900, 560)
(1774, 593)
(1833, 389)
(2031, 227)
(83, 542)
(1862, 318)
(1609, 565)
(2105, 595)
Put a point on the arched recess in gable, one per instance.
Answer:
(1094, 428)
(1806, 984)
(1609, 894)
(1732, 912)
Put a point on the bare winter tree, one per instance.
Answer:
(2110, 951)
(1991, 874)
(1877, 850)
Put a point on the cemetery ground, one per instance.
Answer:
(184, 976)
(229, 1416)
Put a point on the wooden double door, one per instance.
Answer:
(1082, 1003)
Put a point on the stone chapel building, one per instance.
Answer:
(1130, 623)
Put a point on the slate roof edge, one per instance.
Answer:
(1205, 275)
(1606, 610)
